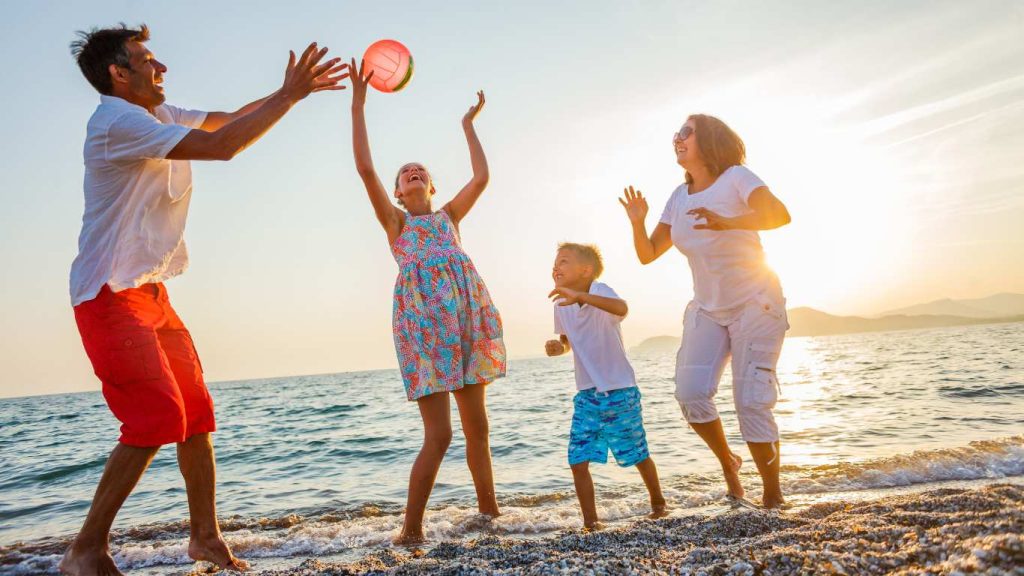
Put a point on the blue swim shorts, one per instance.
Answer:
(603, 421)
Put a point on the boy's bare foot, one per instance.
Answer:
(658, 510)
(88, 563)
(215, 550)
(732, 476)
(409, 539)
(593, 527)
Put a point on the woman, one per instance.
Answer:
(738, 309)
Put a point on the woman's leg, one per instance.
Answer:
(699, 365)
(473, 414)
(757, 342)
(437, 435)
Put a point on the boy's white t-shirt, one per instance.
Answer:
(596, 340)
(728, 266)
(136, 200)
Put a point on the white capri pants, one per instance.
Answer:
(752, 334)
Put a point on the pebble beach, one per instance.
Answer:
(944, 531)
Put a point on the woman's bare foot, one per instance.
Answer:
(593, 527)
(732, 476)
(88, 563)
(658, 510)
(215, 550)
(409, 539)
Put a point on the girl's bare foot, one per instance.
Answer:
(88, 563)
(732, 476)
(215, 550)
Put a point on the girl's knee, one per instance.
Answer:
(438, 440)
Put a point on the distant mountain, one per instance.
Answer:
(811, 322)
(995, 306)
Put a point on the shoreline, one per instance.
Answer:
(940, 531)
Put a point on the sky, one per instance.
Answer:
(893, 132)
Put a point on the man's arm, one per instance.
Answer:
(302, 78)
(216, 120)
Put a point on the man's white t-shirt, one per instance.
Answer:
(596, 339)
(728, 266)
(136, 200)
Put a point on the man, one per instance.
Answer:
(138, 183)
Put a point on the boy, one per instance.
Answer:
(606, 409)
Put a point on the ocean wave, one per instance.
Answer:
(978, 460)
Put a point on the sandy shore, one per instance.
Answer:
(947, 531)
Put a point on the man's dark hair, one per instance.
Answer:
(97, 49)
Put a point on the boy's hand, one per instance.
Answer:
(565, 296)
(467, 120)
(554, 347)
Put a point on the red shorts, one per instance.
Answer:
(145, 358)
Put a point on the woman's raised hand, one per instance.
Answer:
(467, 120)
(359, 81)
(635, 205)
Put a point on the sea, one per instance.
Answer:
(317, 466)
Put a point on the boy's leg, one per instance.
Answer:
(649, 472)
(437, 435)
(585, 493)
(585, 446)
(627, 439)
(89, 552)
(473, 414)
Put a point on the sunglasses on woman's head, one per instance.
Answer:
(683, 133)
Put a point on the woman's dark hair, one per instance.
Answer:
(719, 146)
(97, 49)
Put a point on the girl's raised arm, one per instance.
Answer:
(464, 200)
(389, 216)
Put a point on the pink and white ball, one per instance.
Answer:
(391, 63)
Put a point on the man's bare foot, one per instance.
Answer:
(88, 563)
(593, 527)
(215, 550)
(732, 476)
(658, 510)
(774, 502)
(409, 539)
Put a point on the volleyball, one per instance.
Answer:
(391, 64)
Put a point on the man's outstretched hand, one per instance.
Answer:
(307, 74)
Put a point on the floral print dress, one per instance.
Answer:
(447, 331)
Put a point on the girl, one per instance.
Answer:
(447, 330)
(737, 309)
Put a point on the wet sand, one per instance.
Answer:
(945, 531)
